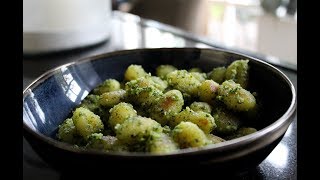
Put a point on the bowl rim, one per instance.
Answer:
(230, 144)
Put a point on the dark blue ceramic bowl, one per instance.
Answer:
(49, 100)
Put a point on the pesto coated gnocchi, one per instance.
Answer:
(164, 112)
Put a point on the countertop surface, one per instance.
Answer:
(131, 32)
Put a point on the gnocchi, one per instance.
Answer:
(163, 113)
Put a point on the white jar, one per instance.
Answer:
(54, 25)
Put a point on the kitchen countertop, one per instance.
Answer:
(131, 32)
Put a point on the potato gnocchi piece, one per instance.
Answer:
(163, 70)
(147, 96)
(109, 99)
(120, 112)
(238, 72)
(134, 72)
(213, 139)
(107, 86)
(184, 82)
(217, 74)
(199, 76)
(141, 82)
(91, 102)
(147, 81)
(158, 82)
(243, 131)
(67, 131)
(161, 143)
(86, 122)
(226, 121)
(208, 90)
(168, 105)
(188, 134)
(136, 130)
(142, 92)
(108, 143)
(235, 97)
(204, 120)
(201, 106)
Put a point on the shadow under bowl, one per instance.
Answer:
(49, 100)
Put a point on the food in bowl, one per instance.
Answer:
(172, 110)
(48, 101)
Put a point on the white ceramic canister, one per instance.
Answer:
(55, 25)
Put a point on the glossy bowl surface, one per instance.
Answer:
(50, 98)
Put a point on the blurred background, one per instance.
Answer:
(268, 27)
(264, 26)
